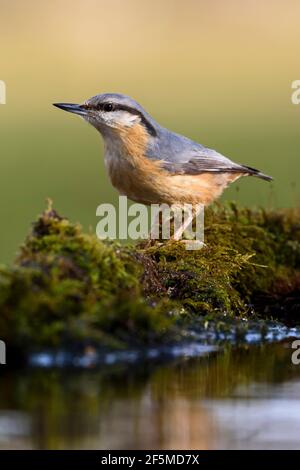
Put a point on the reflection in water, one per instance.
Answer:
(246, 397)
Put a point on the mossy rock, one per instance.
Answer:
(68, 288)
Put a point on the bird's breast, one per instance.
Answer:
(130, 171)
(139, 179)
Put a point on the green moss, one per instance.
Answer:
(69, 288)
(250, 264)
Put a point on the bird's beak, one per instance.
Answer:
(72, 108)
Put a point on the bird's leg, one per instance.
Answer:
(179, 231)
(181, 219)
(193, 244)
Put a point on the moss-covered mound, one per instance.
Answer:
(68, 288)
(250, 264)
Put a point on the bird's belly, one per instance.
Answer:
(140, 179)
(200, 189)
(136, 184)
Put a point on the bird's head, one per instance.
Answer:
(112, 113)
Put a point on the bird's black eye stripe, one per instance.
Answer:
(109, 106)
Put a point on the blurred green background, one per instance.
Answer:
(219, 72)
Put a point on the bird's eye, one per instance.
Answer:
(108, 107)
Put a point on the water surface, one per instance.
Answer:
(245, 397)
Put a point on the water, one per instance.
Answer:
(234, 397)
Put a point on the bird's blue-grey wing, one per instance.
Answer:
(180, 155)
(206, 160)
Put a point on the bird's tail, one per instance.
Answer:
(257, 173)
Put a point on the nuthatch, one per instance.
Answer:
(152, 165)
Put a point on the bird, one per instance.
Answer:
(149, 163)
